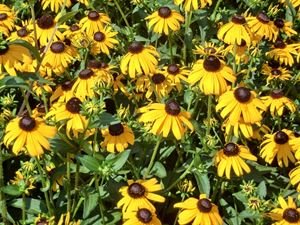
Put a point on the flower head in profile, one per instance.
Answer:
(117, 137)
(30, 133)
(7, 19)
(284, 27)
(210, 48)
(138, 194)
(166, 117)
(274, 71)
(141, 216)
(165, 19)
(190, 5)
(63, 92)
(198, 211)
(176, 74)
(287, 213)
(278, 145)
(232, 157)
(55, 5)
(212, 75)
(139, 60)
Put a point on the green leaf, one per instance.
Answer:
(27, 45)
(103, 120)
(159, 170)
(118, 160)
(13, 82)
(32, 206)
(202, 182)
(67, 16)
(89, 162)
(262, 189)
(12, 190)
(90, 203)
(59, 145)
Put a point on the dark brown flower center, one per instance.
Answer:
(144, 215)
(116, 129)
(231, 149)
(73, 105)
(86, 74)
(42, 221)
(281, 137)
(279, 23)
(3, 16)
(67, 85)
(93, 63)
(74, 27)
(204, 205)
(273, 64)
(279, 43)
(103, 65)
(278, 93)
(45, 22)
(27, 123)
(158, 78)
(3, 49)
(93, 15)
(22, 32)
(135, 47)
(99, 36)
(136, 190)
(41, 108)
(164, 12)
(212, 63)
(172, 108)
(276, 72)
(263, 18)
(57, 47)
(291, 215)
(242, 94)
(173, 69)
(238, 19)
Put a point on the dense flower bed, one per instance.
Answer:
(150, 112)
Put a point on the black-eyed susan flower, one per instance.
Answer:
(278, 145)
(117, 137)
(58, 58)
(84, 85)
(23, 33)
(157, 84)
(246, 129)
(262, 26)
(138, 193)
(63, 92)
(235, 31)
(41, 89)
(103, 41)
(294, 175)
(275, 72)
(12, 54)
(210, 48)
(165, 19)
(70, 112)
(212, 75)
(165, 118)
(66, 219)
(198, 212)
(30, 133)
(283, 52)
(240, 103)
(103, 71)
(176, 74)
(7, 19)
(295, 3)
(94, 22)
(232, 157)
(55, 5)
(141, 216)
(139, 60)
(284, 27)
(277, 102)
(119, 83)
(287, 214)
(190, 5)
(46, 26)
(239, 51)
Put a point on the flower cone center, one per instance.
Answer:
(263, 18)
(279, 43)
(45, 22)
(93, 63)
(212, 63)
(27, 123)
(173, 69)
(135, 47)
(67, 85)
(172, 108)
(73, 105)
(74, 27)
(144, 215)
(136, 190)
(231, 149)
(164, 12)
(281, 138)
(242, 94)
(291, 215)
(93, 15)
(57, 47)
(3, 16)
(279, 23)
(238, 19)
(86, 74)
(158, 78)
(204, 205)
(278, 93)
(116, 129)
(22, 32)
(99, 36)
(276, 72)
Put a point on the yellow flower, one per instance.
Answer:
(23, 33)
(176, 74)
(165, 118)
(240, 52)
(138, 193)
(277, 102)
(141, 216)
(285, 27)
(29, 132)
(117, 137)
(40, 89)
(55, 5)
(198, 211)
(7, 19)
(25, 183)
(236, 31)
(240, 103)
(94, 22)
(212, 75)
(278, 145)
(275, 72)
(287, 214)
(139, 60)
(190, 5)
(294, 175)
(63, 92)
(65, 219)
(164, 19)
(232, 156)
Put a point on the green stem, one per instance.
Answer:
(34, 25)
(153, 156)
(213, 15)
(40, 169)
(216, 190)
(209, 107)
(23, 209)
(68, 183)
(76, 189)
(123, 15)
(188, 19)
(170, 46)
(100, 199)
(3, 209)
